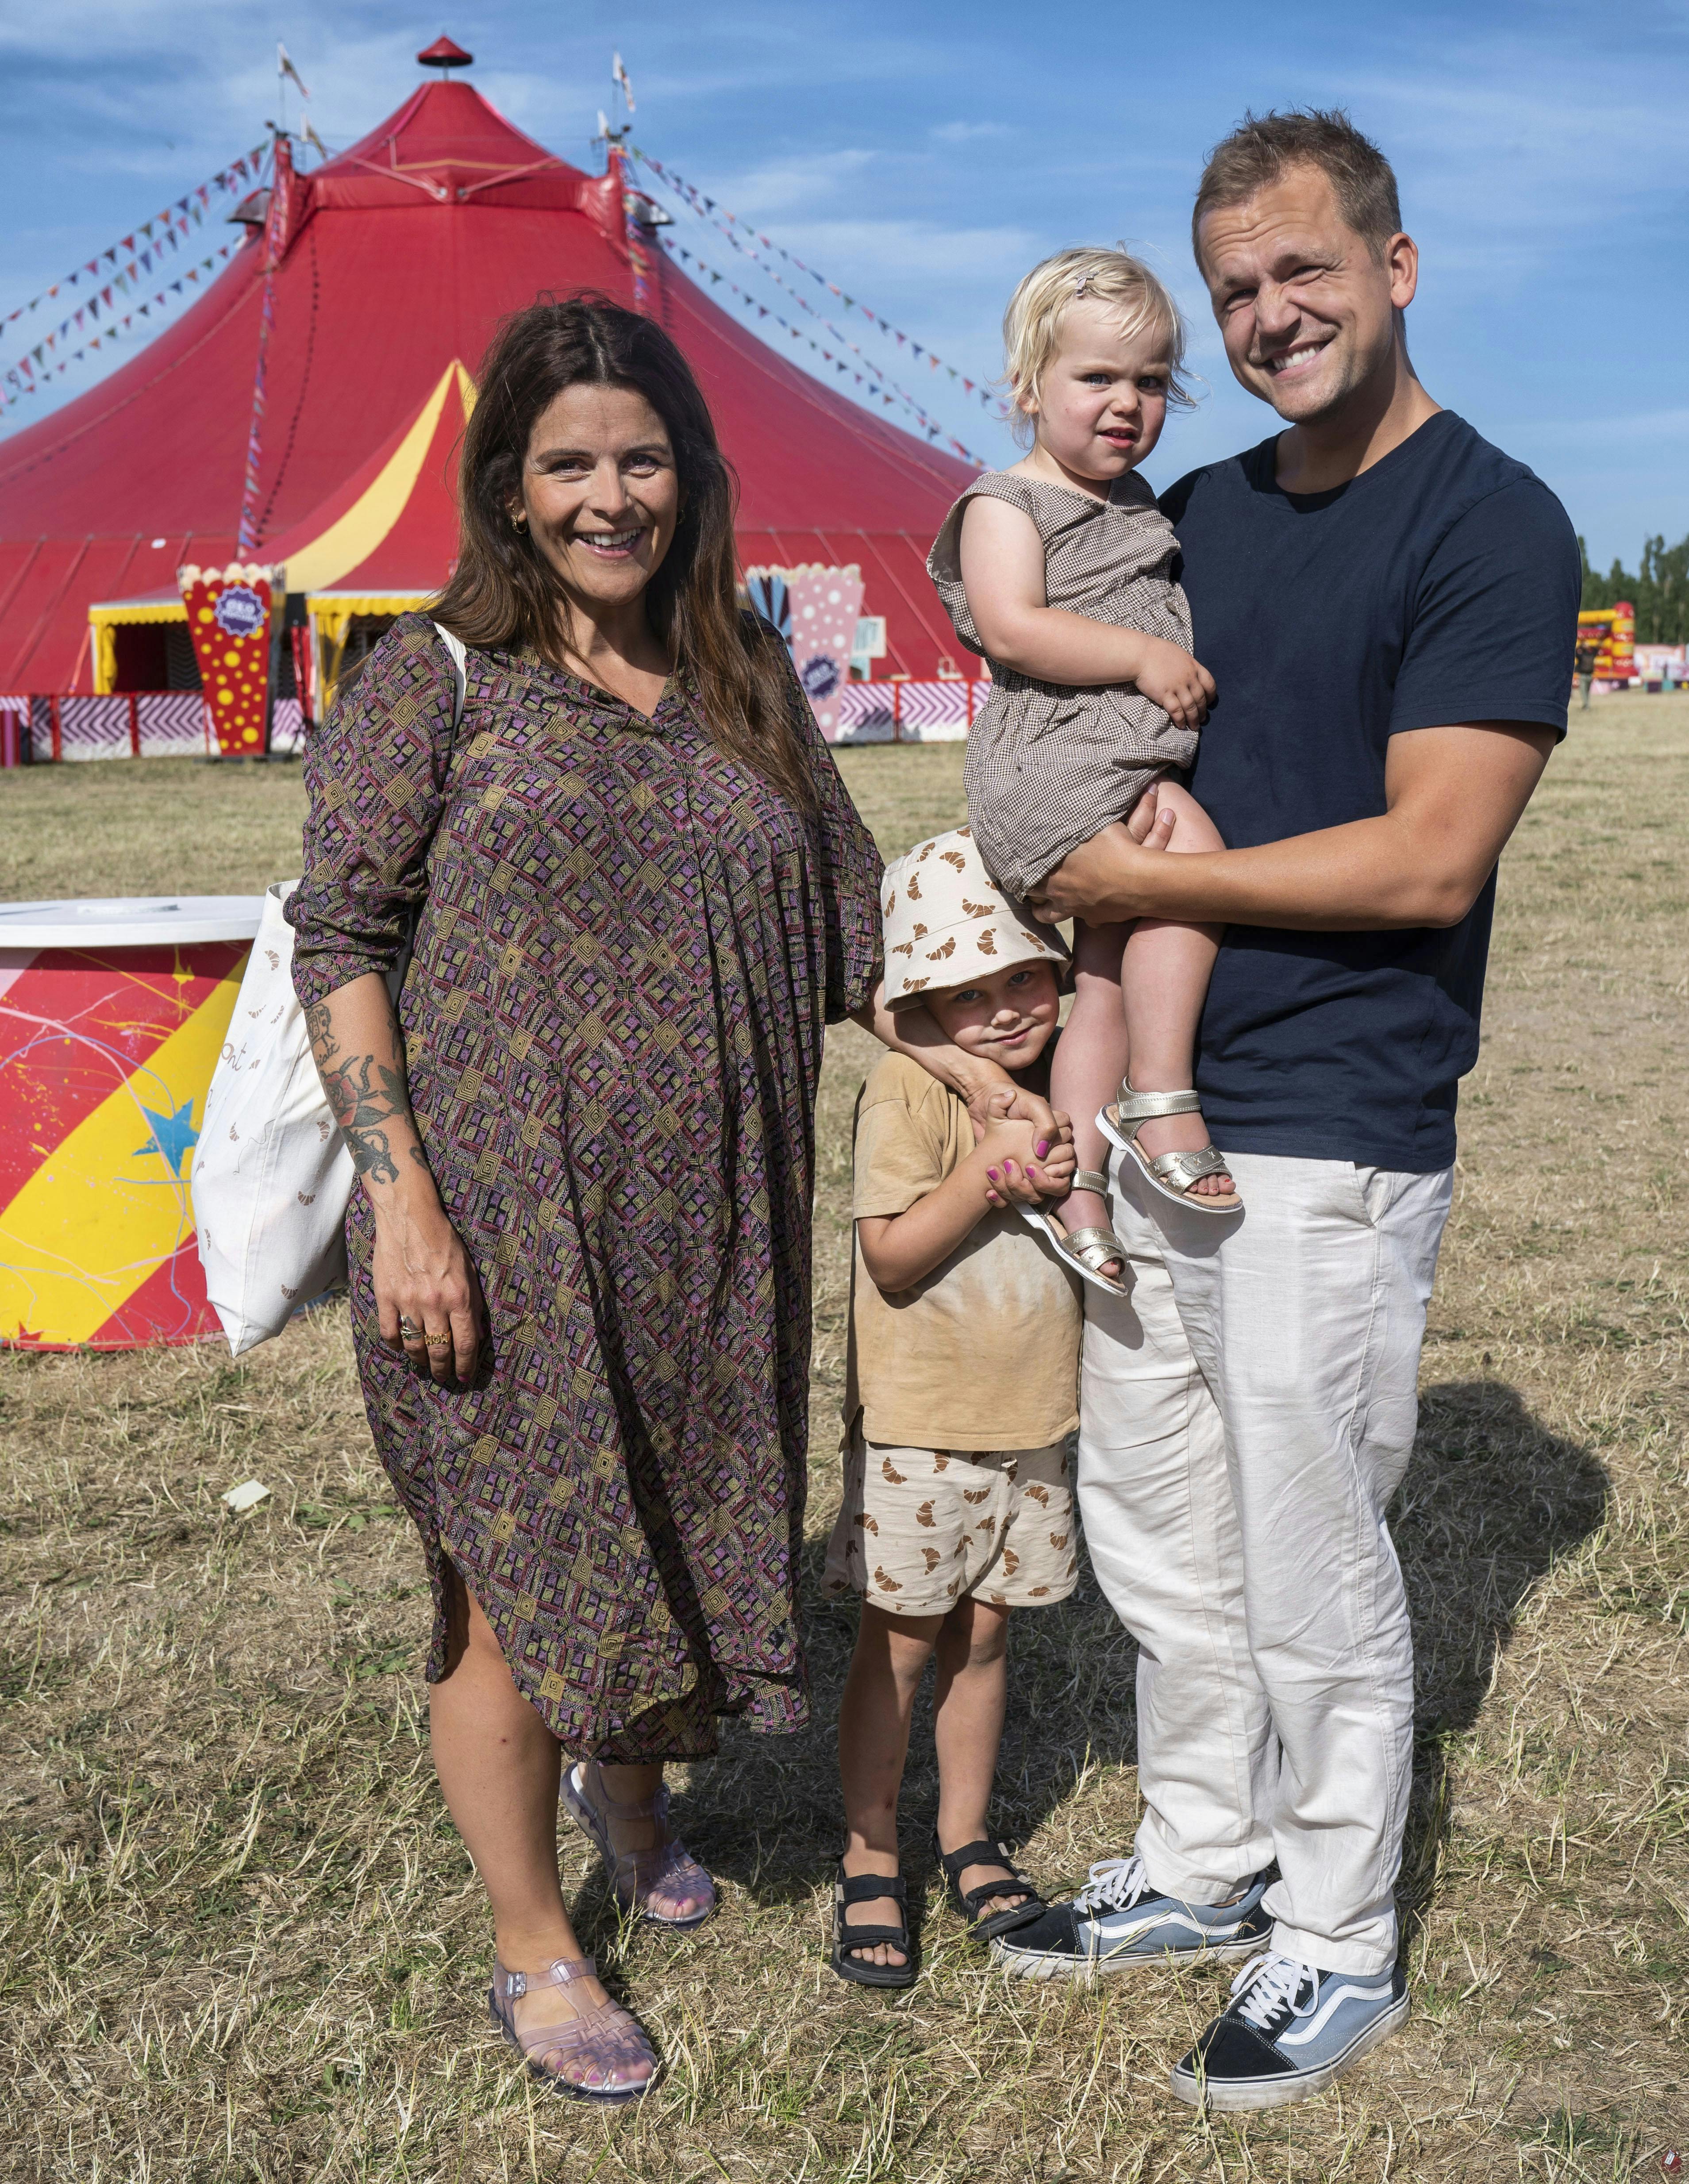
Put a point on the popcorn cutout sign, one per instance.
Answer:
(228, 616)
(815, 609)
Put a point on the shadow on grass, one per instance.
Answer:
(1491, 1501)
(767, 1814)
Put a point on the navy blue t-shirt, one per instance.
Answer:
(1441, 586)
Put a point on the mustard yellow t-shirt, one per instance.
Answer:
(984, 1353)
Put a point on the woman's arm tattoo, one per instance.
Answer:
(363, 1092)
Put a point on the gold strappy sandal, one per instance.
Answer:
(1121, 1123)
(1086, 1251)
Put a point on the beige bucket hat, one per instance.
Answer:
(947, 922)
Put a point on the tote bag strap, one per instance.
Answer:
(459, 660)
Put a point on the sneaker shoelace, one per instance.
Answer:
(1269, 1988)
(1115, 1885)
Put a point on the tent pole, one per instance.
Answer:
(638, 261)
(274, 243)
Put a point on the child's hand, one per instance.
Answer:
(1182, 686)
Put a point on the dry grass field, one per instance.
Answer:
(242, 1941)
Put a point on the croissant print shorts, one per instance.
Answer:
(921, 1527)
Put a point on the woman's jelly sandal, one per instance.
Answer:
(666, 1885)
(600, 2054)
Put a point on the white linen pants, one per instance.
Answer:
(1245, 1415)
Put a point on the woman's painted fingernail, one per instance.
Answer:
(1042, 1148)
(992, 1173)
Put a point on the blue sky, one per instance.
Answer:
(925, 156)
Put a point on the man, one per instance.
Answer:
(1387, 604)
(1586, 658)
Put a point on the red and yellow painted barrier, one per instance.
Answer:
(111, 1018)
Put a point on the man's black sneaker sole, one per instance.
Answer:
(1085, 1971)
(1282, 2090)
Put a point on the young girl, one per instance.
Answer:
(1059, 571)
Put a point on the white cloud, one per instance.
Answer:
(969, 132)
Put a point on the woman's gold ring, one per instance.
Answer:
(437, 1341)
(409, 1329)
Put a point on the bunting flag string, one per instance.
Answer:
(718, 217)
(121, 282)
(929, 425)
(33, 370)
(185, 213)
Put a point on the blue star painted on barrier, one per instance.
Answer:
(173, 1135)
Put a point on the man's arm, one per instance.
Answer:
(1454, 795)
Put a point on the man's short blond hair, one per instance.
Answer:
(1032, 325)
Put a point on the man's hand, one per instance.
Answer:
(1182, 686)
(1117, 865)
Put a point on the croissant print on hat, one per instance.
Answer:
(947, 921)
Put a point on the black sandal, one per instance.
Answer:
(862, 1888)
(956, 1863)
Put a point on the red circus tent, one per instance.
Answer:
(402, 253)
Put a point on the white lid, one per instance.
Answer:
(129, 921)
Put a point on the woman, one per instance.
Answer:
(580, 1258)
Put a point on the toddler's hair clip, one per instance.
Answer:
(1080, 285)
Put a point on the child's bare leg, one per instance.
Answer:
(970, 1694)
(1088, 1063)
(891, 1656)
(1164, 977)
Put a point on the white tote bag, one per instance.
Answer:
(272, 1172)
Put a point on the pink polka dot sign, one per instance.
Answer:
(825, 604)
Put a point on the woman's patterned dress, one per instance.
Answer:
(627, 948)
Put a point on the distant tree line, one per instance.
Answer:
(1660, 592)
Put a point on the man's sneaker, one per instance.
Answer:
(1289, 2031)
(1118, 1920)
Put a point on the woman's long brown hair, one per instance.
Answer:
(503, 593)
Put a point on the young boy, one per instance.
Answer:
(961, 1390)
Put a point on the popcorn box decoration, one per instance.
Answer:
(228, 616)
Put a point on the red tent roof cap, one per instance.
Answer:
(443, 54)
